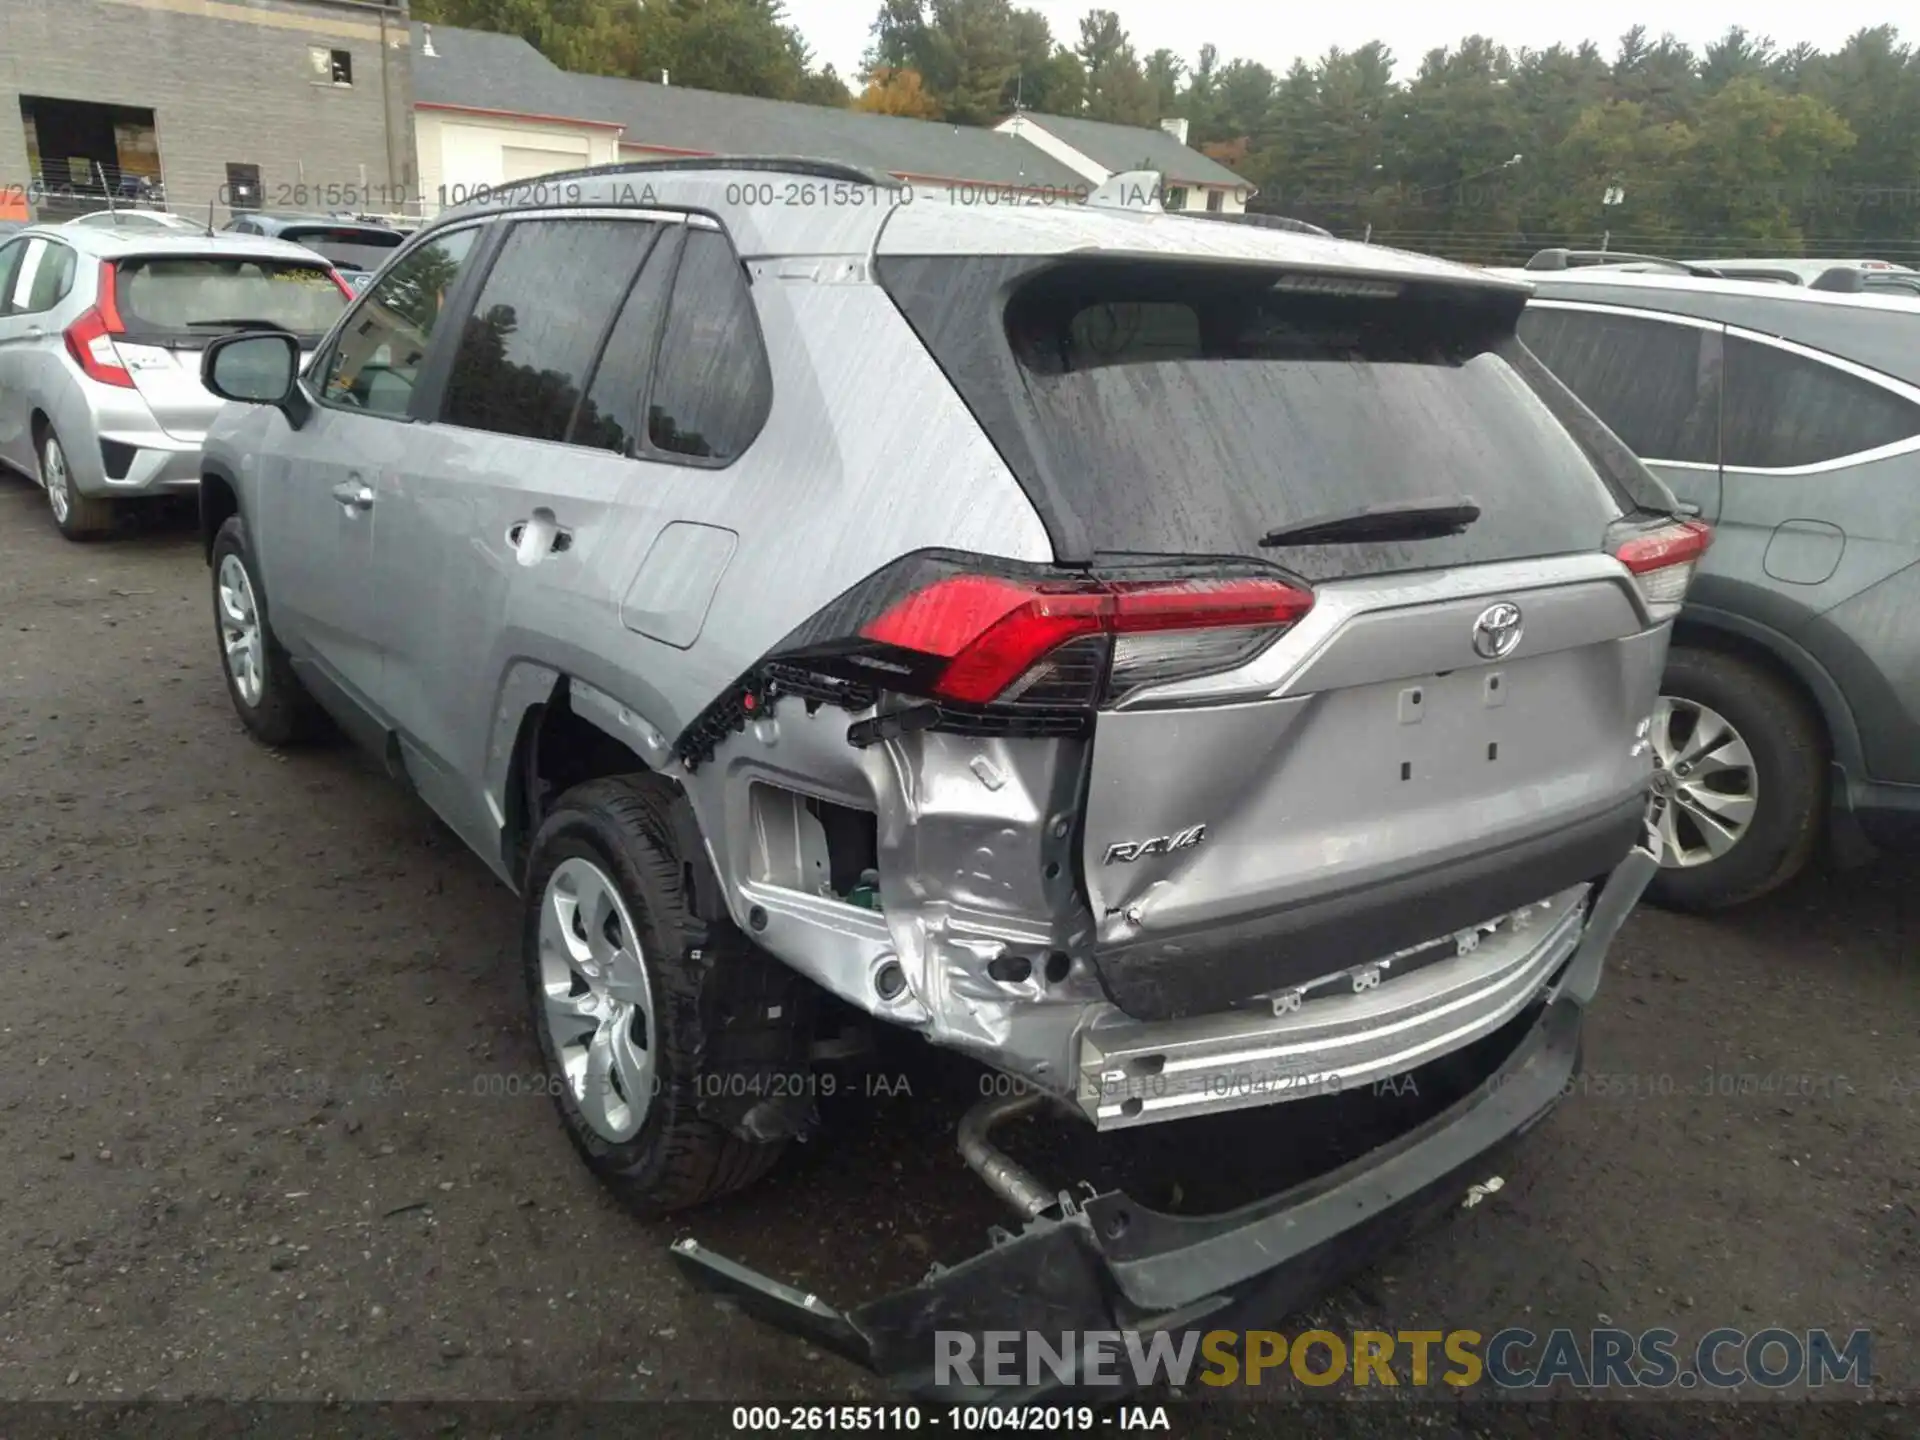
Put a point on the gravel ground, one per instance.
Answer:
(269, 1132)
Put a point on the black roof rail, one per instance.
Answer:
(774, 164)
(1560, 258)
(1265, 221)
(1841, 279)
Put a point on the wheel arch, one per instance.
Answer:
(219, 500)
(1787, 660)
(553, 731)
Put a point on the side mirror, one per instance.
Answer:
(257, 368)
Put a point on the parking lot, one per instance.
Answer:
(267, 1093)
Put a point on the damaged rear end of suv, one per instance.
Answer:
(1318, 752)
(1192, 670)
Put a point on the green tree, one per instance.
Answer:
(1117, 88)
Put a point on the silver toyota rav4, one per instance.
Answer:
(1182, 665)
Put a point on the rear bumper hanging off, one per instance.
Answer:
(1111, 1264)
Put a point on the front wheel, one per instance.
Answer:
(266, 694)
(1739, 782)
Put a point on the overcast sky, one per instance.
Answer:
(1275, 34)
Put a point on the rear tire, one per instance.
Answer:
(1783, 743)
(617, 964)
(266, 694)
(77, 516)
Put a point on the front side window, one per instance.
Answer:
(1786, 409)
(1656, 384)
(712, 387)
(535, 329)
(377, 358)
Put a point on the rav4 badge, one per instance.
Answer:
(1125, 852)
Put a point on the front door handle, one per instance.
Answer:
(354, 495)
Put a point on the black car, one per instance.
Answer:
(357, 248)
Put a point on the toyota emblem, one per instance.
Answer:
(1497, 631)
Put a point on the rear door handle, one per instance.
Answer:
(532, 540)
(355, 495)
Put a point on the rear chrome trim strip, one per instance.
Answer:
(1135, 1074)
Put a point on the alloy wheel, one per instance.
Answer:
(53, 474)
(240, 637)
(596, 999)
(1705, 783)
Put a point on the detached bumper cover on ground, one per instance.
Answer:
(1112, 1264)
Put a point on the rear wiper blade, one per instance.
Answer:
(1396, 520)
(240, 324)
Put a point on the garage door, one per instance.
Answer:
(521, 162)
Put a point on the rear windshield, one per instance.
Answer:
(348, 248)
(1183, 409)
(189, 295)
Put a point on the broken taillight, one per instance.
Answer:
(1662, 563)
(942, 639)
(1016, 639)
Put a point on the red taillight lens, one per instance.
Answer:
(993, 632)
(90, 342)
(1663, 561)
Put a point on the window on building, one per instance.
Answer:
(1788, 409)
(547, 302)
(1216, 199)
(712, 387)
(243, 186)
(609, 419)
(1176, 198)
(378, 356)
(331, 67)
(1655, 384)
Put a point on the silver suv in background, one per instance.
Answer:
(1187, 667)
(101, 333)
(1789, 417)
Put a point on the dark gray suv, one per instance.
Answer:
(1791, 418)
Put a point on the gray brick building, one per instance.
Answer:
(287, 104)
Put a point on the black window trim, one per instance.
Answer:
(25, 243)
(1898, 388)
(430, 395)
(323, 352)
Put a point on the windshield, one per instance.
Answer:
(349, 248)
(200, 295)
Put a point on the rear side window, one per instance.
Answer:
(1654, 383)
(203, 295)
(52, 280)
(609, 419)
(1785, 409)
(550, 297)
(1190, 409)
(10, 257)
(712, 387)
